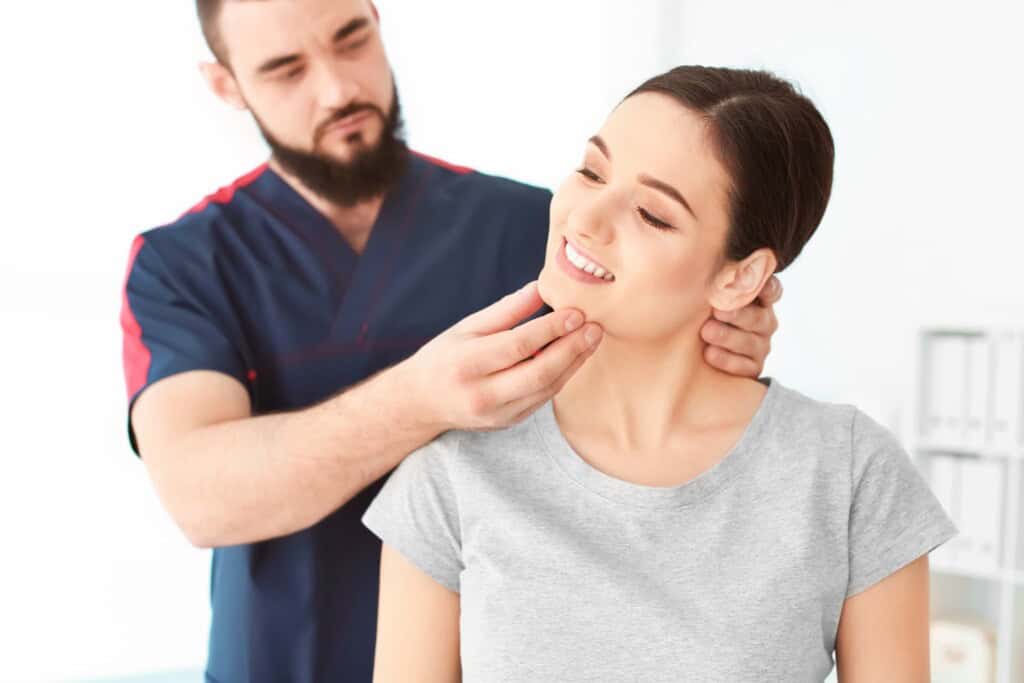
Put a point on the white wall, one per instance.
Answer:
(925, 103)
(113, 132)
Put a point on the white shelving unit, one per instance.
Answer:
(968, 440)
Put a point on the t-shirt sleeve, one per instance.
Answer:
(894, 516)
(169, 325)
(416, 512)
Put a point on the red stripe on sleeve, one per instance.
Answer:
(224, 194)
(136, 356)
(461, 170)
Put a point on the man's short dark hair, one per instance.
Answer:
(209, 21)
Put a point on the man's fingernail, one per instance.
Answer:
(592, 335)
(573, 321)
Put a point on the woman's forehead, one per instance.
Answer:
(654, 134)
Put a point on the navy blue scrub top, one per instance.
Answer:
(256, 284)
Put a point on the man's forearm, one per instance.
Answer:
(261, 477)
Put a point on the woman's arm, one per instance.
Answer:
(883, 632)
(417, 626)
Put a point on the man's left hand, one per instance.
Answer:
(740, 341)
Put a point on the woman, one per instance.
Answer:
(660, 520)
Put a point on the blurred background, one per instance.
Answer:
(907, 302)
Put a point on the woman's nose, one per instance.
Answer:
(594, 219)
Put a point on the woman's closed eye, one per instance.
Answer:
(653, 220)
(645, 215)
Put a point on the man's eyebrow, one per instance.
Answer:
(350, 28)
(668, 190)
(276, 63)
(339, 35)
(601, 145)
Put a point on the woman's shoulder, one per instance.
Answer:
(792, 410)
(801, 418)
(478, 451)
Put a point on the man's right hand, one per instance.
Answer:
(485, 373)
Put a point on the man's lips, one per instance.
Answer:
(350, 121)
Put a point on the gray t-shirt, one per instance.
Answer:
(567, 574)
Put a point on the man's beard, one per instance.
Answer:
(371, 171)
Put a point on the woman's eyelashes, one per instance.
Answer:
(653, 220)
(645, 216)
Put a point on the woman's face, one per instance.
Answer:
(649, 205)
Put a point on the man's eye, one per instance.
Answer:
(588, 174)
(292, 73)
(351, 47)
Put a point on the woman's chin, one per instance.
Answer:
(551, 291)
(558, 293)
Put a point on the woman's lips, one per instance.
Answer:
(577, 273)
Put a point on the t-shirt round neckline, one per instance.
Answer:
(643, 496)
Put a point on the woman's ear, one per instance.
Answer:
(223, 84)
(738, 283)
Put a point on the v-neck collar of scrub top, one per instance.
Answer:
(360, 278)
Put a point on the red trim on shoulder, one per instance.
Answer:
(224, 194)
(136, 356)
(461, 170)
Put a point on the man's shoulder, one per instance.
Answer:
(200, 227)
(464, 178)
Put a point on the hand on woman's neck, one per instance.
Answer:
(642, 397)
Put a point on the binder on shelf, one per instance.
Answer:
(944, 478)
(945, 374)
(982, 486)
(978, 382)
(1007, 403)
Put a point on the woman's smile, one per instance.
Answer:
(581, 267)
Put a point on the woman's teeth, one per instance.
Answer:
(580, 261)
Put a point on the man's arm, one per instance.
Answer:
(883, 632)
(227, 477)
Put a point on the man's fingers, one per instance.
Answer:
(504, 349)
(522, 408)
(771, 293)
(505, 313)
(756, 319)
(731, 363)
(734, 340)
(546, 368)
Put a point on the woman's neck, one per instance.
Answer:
(645, 397)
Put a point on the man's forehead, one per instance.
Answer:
(256, 29)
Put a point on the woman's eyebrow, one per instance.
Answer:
(667, 189)
(647, 180)
(596, 141)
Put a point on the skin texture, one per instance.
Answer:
(622, 412)
(229, 477)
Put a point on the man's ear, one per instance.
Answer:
(739, 283)
(223, 84)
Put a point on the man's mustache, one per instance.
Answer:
(351, 109)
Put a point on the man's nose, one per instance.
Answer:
(333, 89)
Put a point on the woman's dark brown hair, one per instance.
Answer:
(775, 145)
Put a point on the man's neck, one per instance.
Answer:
(355, 223)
